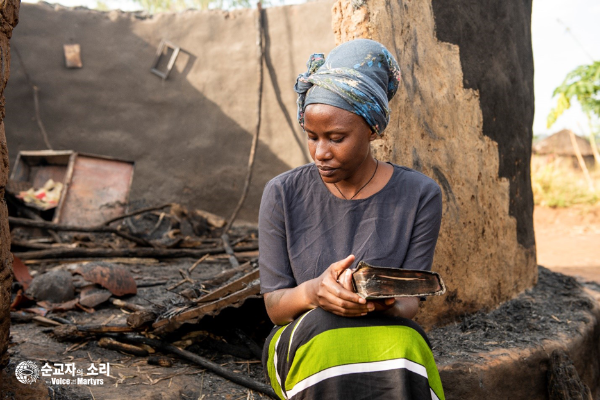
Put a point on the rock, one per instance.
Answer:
(53, 287)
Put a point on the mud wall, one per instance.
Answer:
(190, 135)
(463, 116)
(9, 16)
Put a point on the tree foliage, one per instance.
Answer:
(583, 83)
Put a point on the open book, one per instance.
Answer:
(381, 282)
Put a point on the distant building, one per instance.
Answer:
(560, 145)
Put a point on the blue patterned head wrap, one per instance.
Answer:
(360, 76)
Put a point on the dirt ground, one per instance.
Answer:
(568, 240)
(133, 377)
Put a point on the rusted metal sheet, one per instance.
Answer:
(97, 189)
(72, 56)
(233, 294)
(380, 282)
(115, 278)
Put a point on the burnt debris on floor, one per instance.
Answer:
(556, 304)
(177, 291)
(135, 282)
(228, 344)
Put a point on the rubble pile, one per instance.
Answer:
(156, 271)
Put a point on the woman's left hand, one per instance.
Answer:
(404, 307)
(345, 280)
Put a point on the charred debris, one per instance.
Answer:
(157, 271)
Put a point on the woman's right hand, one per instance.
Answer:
(333, 292)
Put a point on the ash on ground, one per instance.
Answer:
(557, 304)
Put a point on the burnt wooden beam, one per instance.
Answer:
(137, 212)
(232, 287)
(248, 284)
(112, 344)
(226, 275)
(227, 246)
(140, 252)
(72, 228)
(201, 361)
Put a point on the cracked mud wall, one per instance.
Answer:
(190, 135)
(471, 133)
(463, 115)
(9, 14)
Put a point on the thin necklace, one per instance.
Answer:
(358, 191)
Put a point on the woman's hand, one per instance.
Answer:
(333, 291)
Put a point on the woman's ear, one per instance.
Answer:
(373, 136)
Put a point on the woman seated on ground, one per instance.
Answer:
(318, 220)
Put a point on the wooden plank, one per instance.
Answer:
(210, 308)
(232, 287)
(142, 252)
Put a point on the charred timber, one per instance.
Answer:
(137, 212)
(226, 275)
(71, 228)
(203, 362)
(127, 348)
(126, 252)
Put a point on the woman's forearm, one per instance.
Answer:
(285, 305)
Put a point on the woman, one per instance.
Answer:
(318, 220)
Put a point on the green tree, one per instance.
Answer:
(583, 83)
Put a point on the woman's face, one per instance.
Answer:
(338, 141)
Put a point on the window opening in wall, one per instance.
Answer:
(166, 55)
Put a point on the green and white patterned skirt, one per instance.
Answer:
(323, 356)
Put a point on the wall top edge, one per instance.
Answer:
(143, 15)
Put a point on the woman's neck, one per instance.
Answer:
(372, 177)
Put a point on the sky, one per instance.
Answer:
(565, 34)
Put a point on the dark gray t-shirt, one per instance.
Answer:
(304, 228)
